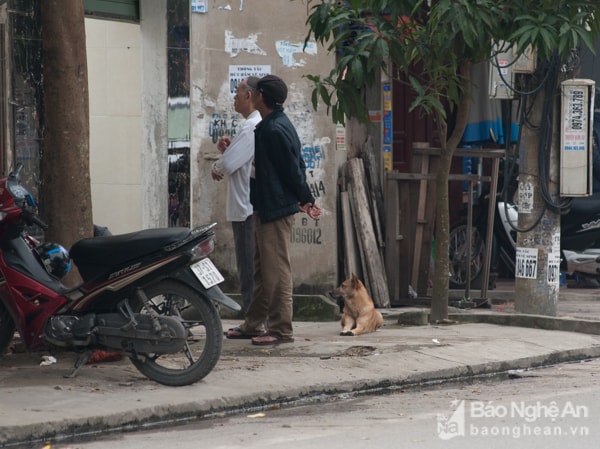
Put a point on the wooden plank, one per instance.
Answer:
(407, 228)
(357, 220)
(459, 152)
(428, 230)
(494, 154)
(366, 235)
(374, 190)
(392, 240)
(350, 245)
(490, 229)
(420, 223)
(432, 176)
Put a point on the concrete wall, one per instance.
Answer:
(234, 39)
(128, 121)
(154, 144)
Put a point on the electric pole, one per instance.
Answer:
(538, 247)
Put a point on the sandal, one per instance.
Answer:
(235, 333)
(270, 339)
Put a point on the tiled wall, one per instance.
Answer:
(114, 71)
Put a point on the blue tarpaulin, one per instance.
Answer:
(485, 116)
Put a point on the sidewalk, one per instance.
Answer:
(37, 404)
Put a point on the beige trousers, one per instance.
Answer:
(272, 298)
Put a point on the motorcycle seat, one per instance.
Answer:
(113, 250)
(587, 205)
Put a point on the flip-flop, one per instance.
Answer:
(235, 333)
(270, 339)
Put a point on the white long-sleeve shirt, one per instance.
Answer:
(236, 162)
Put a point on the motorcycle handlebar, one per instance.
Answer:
(32, 218)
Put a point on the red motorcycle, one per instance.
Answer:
(150, 295)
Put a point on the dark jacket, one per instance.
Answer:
(280, 177)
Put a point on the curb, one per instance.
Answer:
(167, 415)
(421, 318)
(533, 321)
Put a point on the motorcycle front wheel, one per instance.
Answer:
(202, 349)
(458, 252)
(7, 329)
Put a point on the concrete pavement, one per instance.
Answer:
(38, 405)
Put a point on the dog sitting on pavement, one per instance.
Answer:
(358, 315)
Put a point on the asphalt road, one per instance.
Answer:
(548, 408)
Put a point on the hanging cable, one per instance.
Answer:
(562, 206)
(511, 170)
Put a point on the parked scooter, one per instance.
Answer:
(150, 295)
(503, 244)
(579, 238)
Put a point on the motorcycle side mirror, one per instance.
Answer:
(16, 173)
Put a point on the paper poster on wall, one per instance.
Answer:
(237, 73)
(287, 51)
(199, 6)
(340, 137)
(554, 261)
(387, 113)
(526, 263)
(375, 116)
(525, 197)
(388, 160)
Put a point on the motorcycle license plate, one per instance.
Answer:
(207, 273)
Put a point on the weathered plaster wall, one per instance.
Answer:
(154, 113)
(239, 37)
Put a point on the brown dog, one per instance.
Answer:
(359, 315)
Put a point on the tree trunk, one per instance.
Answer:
(439, 297)
(66, 191)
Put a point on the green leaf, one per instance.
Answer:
(441, 36)
(357, 72)
(548, 39)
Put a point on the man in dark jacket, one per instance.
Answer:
(278, 191)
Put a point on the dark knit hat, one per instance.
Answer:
(273, 87)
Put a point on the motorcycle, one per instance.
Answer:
(579, 237)
(582, 238)
(150, 295)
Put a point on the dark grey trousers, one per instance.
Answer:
(243, 237)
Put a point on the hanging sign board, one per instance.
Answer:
(576, 137)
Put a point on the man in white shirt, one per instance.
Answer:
(236, 161)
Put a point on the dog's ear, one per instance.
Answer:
(355, 281)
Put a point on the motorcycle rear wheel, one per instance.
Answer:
(205, 335)
(458, 253)
(7, 329)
